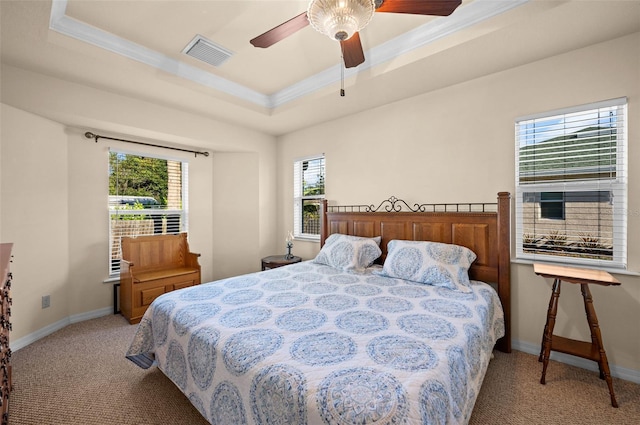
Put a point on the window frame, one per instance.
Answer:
(545, 205)
(166, 227)
(299, 198)
(616, 184)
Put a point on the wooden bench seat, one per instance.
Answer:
(162, 273)
(152, 266)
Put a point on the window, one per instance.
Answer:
(571, 185)
(308, 193)
(552, 205)
(147, 195)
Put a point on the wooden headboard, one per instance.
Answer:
(483, 228)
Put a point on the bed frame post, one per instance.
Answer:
(504, 266)
(324, 222)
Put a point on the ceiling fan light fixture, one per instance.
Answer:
(340, 19)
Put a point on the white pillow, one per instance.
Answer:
(432, 263)
(349, 253)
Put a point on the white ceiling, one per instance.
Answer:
(135, 48)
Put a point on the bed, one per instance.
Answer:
(354, 336)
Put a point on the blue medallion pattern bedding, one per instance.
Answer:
(311, 344)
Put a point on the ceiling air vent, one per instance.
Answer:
(207, 51)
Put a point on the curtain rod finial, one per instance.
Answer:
(90, 135)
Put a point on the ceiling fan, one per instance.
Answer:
(341, 20)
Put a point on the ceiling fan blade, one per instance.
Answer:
(420, 7)
(282, 31)
(352, 51)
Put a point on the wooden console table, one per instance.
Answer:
(593, 350)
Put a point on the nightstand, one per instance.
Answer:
(276, 261)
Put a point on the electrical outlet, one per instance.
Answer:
(46, 301)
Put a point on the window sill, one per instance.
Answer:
(307, 238)
(112, 279)
(611, 270)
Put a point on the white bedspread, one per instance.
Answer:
(309, 344)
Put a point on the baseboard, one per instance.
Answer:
(616, 371)
(47, 330)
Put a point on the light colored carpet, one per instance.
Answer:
(79, 376)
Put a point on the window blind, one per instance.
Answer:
(308, 189)
(571, 184)
(147, 196)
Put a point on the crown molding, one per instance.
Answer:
(63, 24)
(475, 12)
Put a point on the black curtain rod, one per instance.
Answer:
(90, 135)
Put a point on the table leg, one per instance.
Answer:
(546, 325)
(545, 352)
(116, 286)
(594, 327)
(596, 340)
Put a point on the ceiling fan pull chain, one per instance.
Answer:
(342, 75)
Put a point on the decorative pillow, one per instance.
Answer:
(349, 253)
(433, 263)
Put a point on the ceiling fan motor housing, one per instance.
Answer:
(340, 19)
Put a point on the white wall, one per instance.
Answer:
(457, 145)
(34, 214)
(238, 182)
(54, 185)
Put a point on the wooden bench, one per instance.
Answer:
(152, 266)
